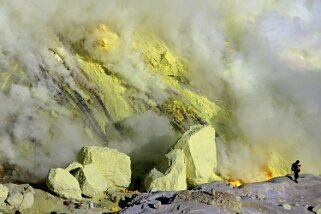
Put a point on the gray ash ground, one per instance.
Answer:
(278, 195)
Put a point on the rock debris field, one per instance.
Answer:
(278, 195)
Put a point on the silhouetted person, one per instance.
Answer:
(296, 169)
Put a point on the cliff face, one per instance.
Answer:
(111, 92)
(148, 77)
(113, 85)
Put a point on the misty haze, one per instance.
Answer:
(104, 101)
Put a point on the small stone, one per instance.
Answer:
(212, 202)
(157, 204)
(287, 206)
(116, 199)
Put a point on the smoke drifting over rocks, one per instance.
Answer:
(261, 58)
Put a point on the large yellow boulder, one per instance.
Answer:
(112, 164)
(198, 145)
(171, 174)
(64, 184)
(91, 181)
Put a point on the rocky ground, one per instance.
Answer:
(278, 195)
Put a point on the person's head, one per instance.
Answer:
(297, 161)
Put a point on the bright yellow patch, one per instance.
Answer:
(235, 182)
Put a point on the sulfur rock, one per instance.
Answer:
(170, 175)
(73, 166)
(27, 201)
(19, 197)
(14, 199)
(198, 145)
(113, 165)
(317, 209)
(91, 181)
(64, 184)
(287, 206)
(3, 192)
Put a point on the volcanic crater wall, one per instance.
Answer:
(136, 75)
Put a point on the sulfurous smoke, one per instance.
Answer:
(260, 58)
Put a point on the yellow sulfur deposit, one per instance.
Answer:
(107, 97)
(277, 166)
(102, 39)
(111, 90)
(171, 174)
(183, 104)
(157, 55)
(112, 164)
(235, 183)
(180, 113)
(198, 145)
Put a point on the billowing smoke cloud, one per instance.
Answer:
(149, 136)
(262, 58)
